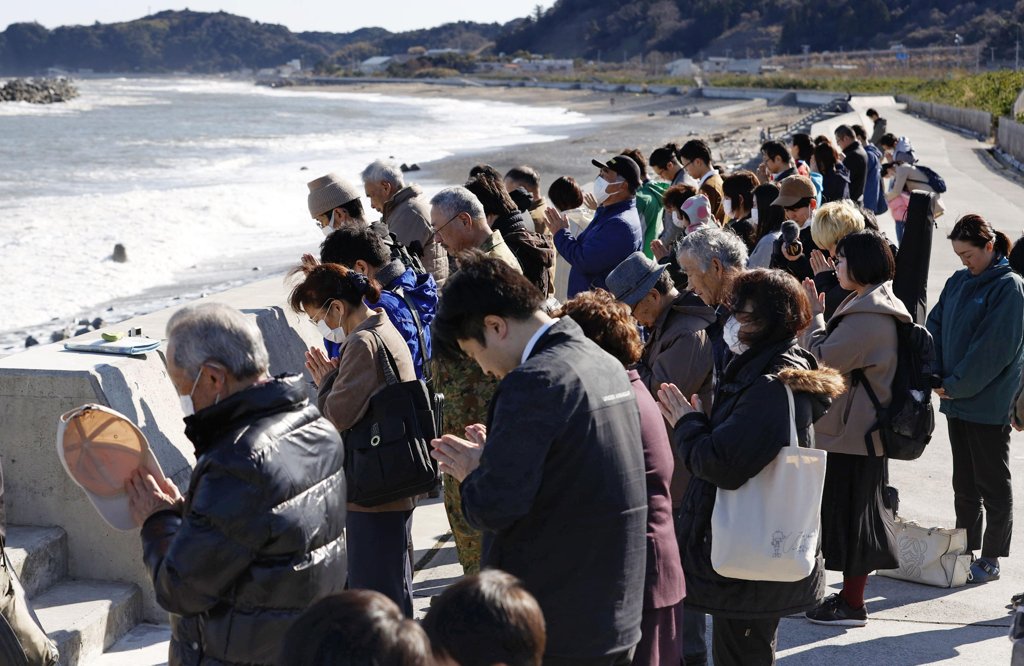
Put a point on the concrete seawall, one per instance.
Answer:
(40, 384)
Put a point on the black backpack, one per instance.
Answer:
(935, 181)
(905, 426)
(400, 252)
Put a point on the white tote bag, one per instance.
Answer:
(931, 555)
(768, 528)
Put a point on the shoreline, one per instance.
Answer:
(615, 121)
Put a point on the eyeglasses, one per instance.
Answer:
(313, 320)
(686, 164)
(323, 219)
(438, 230)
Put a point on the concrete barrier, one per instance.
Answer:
(40, 384)
(1010, 138)
(972, 120)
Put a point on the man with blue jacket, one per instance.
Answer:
(409, 300)
(615, 232)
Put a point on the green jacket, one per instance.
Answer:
(648, 205)
(978, 327)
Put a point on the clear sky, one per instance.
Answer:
(298, 15)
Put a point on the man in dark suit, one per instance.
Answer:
(556, 479)
(856, 160)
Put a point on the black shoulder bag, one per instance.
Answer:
(387, 453)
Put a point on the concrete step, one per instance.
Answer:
(145, 645)
(85, 617)
(39, 556)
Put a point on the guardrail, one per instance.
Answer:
(1010, 140)
(972, 120)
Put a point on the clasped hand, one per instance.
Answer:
(459, 457)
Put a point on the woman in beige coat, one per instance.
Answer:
(334, 298)
(860, 341)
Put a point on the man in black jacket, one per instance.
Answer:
(259, 535)
(556, 479)
(856, 161)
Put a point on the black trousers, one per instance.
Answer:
(378, 555)
(695, 629)
(623, 658)
(744, 642)
(981, 479)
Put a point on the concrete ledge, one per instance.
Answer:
(39, 556)
(40, 384)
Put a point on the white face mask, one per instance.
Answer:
(329, 228)
(336, 335)
(727, 207)
(601, 193)
(678, 220)
(186, 400)
(731, 333)
(753, 216)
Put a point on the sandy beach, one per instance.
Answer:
(617, 121)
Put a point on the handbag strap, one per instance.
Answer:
(793, 439)
(386, 360)
(427, 375)
(860, 378)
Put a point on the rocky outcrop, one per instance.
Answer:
(38, 91)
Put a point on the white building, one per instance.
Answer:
(544, 65)
(681, 67)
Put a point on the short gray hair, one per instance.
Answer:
(220, 333)
(384, 171)
(710, 243)
(454, 200)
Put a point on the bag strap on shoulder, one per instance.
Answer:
(386, 360)
(427, 375)
(860, 378)
(794, 440)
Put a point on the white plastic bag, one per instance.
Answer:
(769, 528)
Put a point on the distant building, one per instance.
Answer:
(375, 65)
(435, 52)
(543, 65)
(719, 65)
(681, 67)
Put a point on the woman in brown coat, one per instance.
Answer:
(859, 341)
(334, 298)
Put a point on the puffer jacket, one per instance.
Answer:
(534, 252)
(260, 536)
(860, 336)
(748, 426)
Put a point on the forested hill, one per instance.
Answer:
(211, 42)
(612, 29)
(592, 29)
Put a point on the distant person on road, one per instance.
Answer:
(874, 192)
(878, 128)
(906, 178)
(887, 144)
(608, 323)
(405, 213)
(259, 535)
(856, 160)
(802, 148)
(612, 235)
(860, 342)
(563, 423)
(978, 327)
(667, 167)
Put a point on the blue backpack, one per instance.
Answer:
(935, 181)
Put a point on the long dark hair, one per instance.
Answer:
(662, 156)
(769, 217)
(804, 147)
(973, 229)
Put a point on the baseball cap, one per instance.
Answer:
(625, 167)
(99, 449)
(631, 280)
(328, 192)
(793, 189)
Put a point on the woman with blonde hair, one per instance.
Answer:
(832, 222)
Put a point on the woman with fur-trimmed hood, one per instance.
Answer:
(748, 425)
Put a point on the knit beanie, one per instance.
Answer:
(328, 192)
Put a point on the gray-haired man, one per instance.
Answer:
(405, 213)
(259, 535)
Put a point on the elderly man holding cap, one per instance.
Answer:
(614, 233)
(259, 535)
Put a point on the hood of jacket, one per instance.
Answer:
(516, 221)
(880, 299)
(690, 305)
(282, 394)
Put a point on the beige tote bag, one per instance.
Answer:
(930, 555)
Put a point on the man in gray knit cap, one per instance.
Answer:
(334, 203)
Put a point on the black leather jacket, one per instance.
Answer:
(261, 533)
